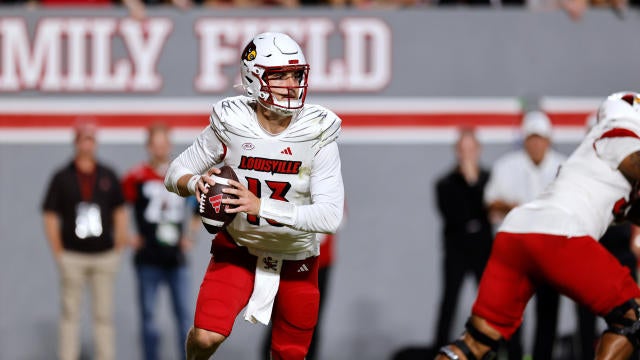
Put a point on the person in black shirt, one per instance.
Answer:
(160, 243)
(85, 223)
(467, 235)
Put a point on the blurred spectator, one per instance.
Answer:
(520, 175)
(85, 223)
(78, 3)
(137, 8)
(574, 8)
(160, 243)
(577, 8)
(15, 2)
(493, 3)
(516, 178)
(467, 235)
(308, 3)
(255, 3)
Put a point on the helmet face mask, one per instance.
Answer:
(275, 86)
(275, 72)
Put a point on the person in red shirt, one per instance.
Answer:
(160, 244)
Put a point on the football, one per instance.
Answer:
(212, 211)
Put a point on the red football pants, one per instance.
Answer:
(577, 267)
(228, 284)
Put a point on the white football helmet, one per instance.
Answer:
(618, 103)
(272, 53)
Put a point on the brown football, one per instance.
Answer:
(212, 211)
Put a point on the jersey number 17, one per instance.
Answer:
(279, 190)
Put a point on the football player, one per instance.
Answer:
(286, 157)
(552, 240)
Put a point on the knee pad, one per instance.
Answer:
(478, 336)
(619, 325)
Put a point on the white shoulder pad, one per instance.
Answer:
(234, 115)
(315, 122)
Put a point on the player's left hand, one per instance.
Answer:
(246, 202)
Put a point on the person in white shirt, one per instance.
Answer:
(521, 175)
(516, 178)
(553, 240)
(286, 157)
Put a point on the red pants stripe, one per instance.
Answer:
(578, 267)
(227, 286)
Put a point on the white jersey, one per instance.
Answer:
(295, 173)
(581, 200)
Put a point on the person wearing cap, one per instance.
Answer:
(519, 176)
(86, 226)
(516, 178)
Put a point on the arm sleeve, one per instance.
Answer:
(205, 152)
(325, 212)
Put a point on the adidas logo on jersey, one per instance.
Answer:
(303, 268)
(286, 151)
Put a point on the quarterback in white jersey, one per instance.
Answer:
(552, 240)
(290, 188)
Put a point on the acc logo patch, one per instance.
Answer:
(248, 146)
(249, 52)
